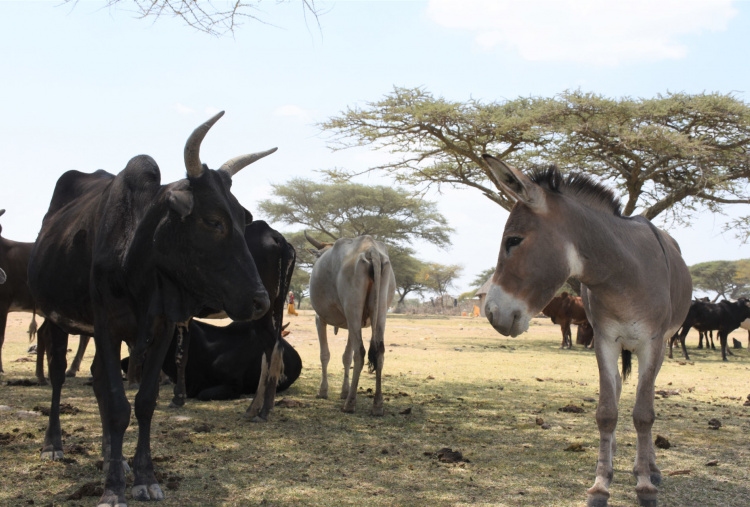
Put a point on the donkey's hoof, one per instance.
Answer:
(177, 403)
(348, 408)
(145, 493)
(655, 479)
(597, 501)
(378, 411)
(647, 502)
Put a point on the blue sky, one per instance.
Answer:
(87, 87)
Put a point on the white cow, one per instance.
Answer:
(351, 287)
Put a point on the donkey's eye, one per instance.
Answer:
(512, 241)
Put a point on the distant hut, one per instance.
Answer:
(481, 293)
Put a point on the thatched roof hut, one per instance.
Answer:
(481, 293)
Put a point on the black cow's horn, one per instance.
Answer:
(314, 242)
(193, 147)
(233, 165)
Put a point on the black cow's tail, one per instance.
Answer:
(376, 343)
(626, 364)
(33, 327)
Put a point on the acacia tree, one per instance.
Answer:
(214, 18)
(728, 279)
(674, 153)
(439, 278)
(337, 210)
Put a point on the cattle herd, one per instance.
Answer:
(127, 259)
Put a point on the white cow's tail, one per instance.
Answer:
(377, 344)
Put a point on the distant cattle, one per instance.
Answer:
(351, 287)
(15, 295)
(723, 317)
(275, 258)
(124, 258)
(565, 310)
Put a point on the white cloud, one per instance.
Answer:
(211, 111)
(292, 111)
(182, 109)
(585, 31)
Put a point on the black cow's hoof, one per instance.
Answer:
(145, 493)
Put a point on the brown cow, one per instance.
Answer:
(565, 310)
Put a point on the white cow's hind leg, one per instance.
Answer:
(325, 356)
(354, 343)
(346, 359)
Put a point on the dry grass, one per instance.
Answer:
(466, 387)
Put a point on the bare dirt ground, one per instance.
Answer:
(450, 382)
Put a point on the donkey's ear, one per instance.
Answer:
(515, 183)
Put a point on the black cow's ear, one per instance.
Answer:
(181, 201)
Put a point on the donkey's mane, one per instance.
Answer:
(580, 186)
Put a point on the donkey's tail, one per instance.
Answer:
(626, 364)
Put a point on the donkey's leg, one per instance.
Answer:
(607, 353)
(325, 356)
(645, 470)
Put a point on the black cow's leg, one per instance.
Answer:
(723, 338)
(3, 321)
(76, 364)
(145, 486)
(43, 349)
(181, 359)
(683, 335)
(114, 410)
(58, 338)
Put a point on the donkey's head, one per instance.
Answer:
(536, 255)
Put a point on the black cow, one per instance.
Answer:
(275, 259)
(723, 317)
(226, 362)
(125, 258)
(15, 295)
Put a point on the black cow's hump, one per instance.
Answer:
(73, 184)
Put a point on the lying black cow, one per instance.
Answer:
(124, 258)
(723, 317)
(275, 259)
(226, 362)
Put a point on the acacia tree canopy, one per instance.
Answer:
(670, 155)
(339, 210)
(214, 18)
(728, 279)
(347, 210)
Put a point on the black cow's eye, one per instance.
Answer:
(216, 224)
(512, 241)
